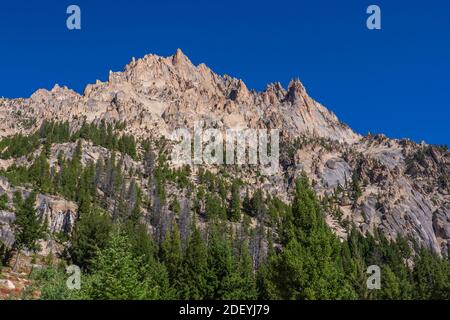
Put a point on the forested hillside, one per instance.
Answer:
(143, 229)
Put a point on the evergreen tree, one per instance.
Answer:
(175, 206)
(172, 256)
(309, 267)
(86, 191)
(257, 205)
(234, 212)
(390, 286)
(214, 207)
(39, 172)
(28, 227)
(431, 275)
(185, 222)
(3, 201)
(90, 233)
(222, 272)
(195, 269)
(356, 187)
(119, 274)
(354, 265)
(242, 282)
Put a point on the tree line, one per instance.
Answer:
(136, 238)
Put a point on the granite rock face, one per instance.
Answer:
(59, 213)
(394, 198)
(404, 186)
(155, 94)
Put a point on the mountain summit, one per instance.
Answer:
(157, 92)
(375, 183)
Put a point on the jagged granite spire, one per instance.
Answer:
(171, 91)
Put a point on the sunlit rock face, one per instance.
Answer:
(401, 192)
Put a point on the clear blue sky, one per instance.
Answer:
(394, 81)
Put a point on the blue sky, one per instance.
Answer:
(393, 81)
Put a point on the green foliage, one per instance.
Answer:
(3, 201)
(226, 278)
(4, 256)
(308, 267)
(127, 145)
(51, 283)
(390, 286)
(120, 274)
(431, 276)
(28, 226)
(39, 173)
(16, 175)
(90, 233)
(182, 176)
(214, 207)
(105, 135)
(194, 273)
(256, 206)
(277, 251)
(18, 145)
(172, 256)
(244, 279)
(356, 187)
(175, 206)
(234, 212)
(55, 132)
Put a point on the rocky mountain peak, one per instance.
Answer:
(295, 90)
(167, 92)
(179, 58)
(403, 186)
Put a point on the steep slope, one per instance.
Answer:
(396, 186)
(155, 93)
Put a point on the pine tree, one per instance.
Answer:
(234, 212)
(119, 274)
(175, 206)
(242, 281)
(431, 275)
(3, 201)
(390, 286)
(354, 265)
(70, 172)
(172, 256)
(39, 172)
(28, 227)
(214, 207)
(90, 233)
(221, 265)
(143, 246)
(86, 190)
(185, 223)
(356, 187)
(309, 266)
(195, 269)
(257, 206)
(135, 203)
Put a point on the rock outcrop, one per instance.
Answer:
(404, 186)
(57, 212)
(155, 94)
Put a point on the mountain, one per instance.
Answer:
(165, 92)
(394, 186)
